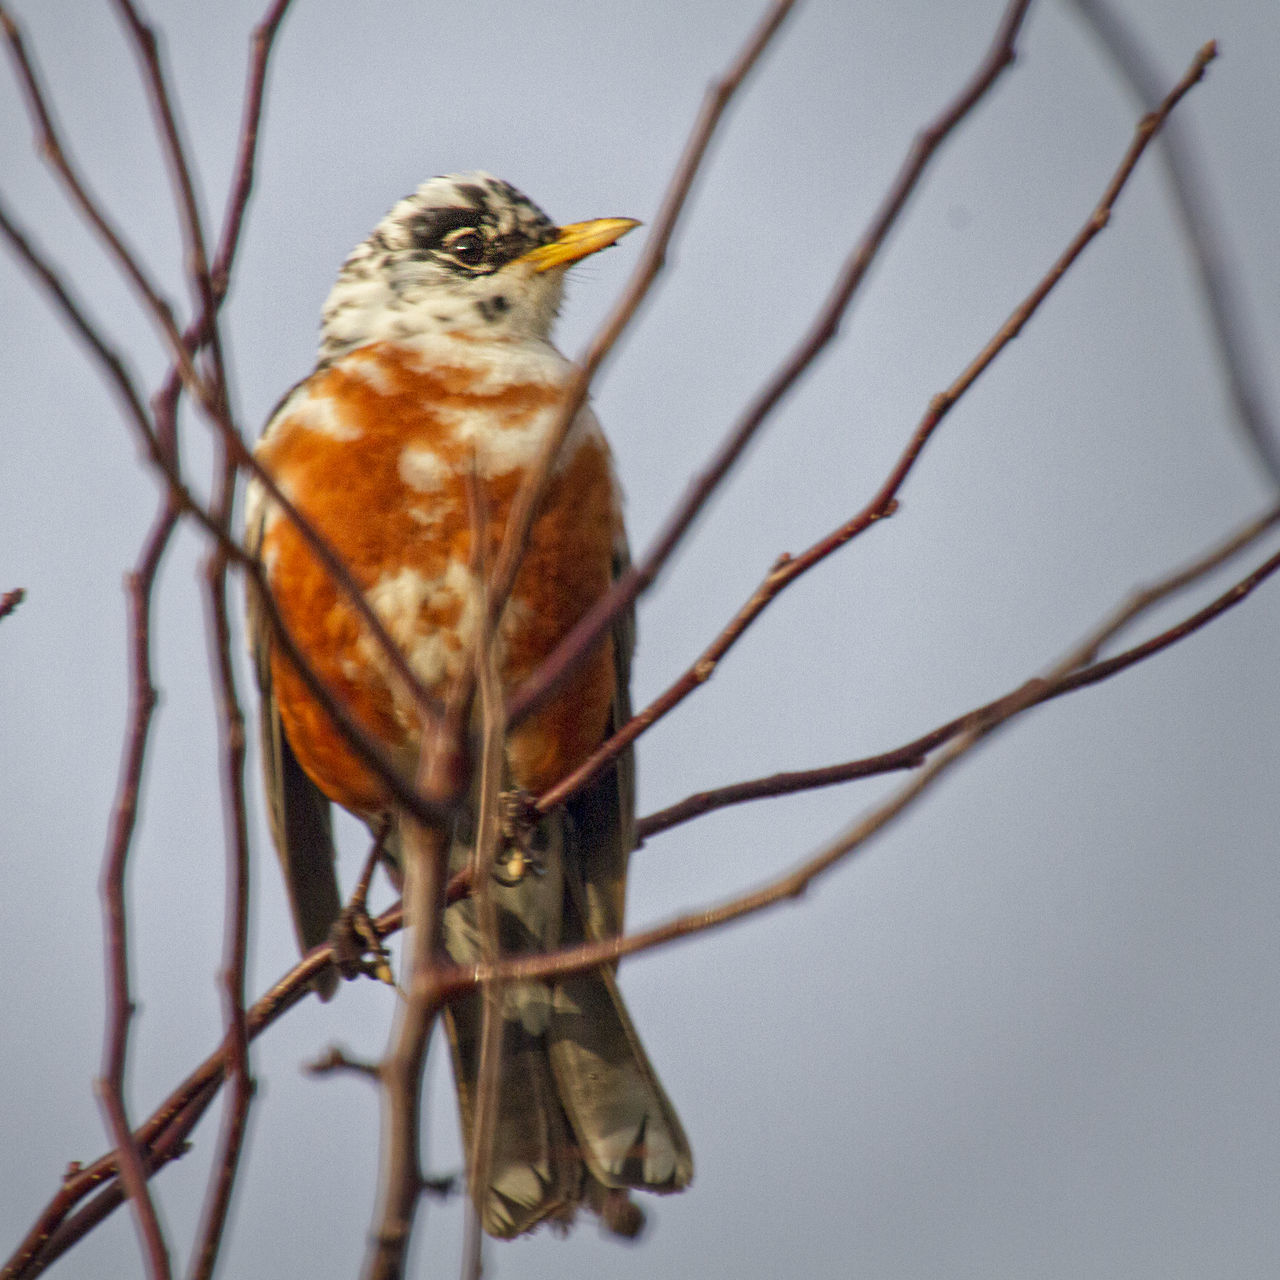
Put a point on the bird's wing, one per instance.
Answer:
(299, 813)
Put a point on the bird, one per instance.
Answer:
(435, 386)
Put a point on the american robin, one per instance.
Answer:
(435, 387)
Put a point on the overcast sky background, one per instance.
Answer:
(1033, 1030)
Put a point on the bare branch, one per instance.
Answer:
(51, 148)
(589, 629)
(261, 45)
(529, 497)
(1206, 240)
(236, 941)
(336, 1060)
(120, 1008)
(425, 851)
(10, 600)
(444, 774)
(87, 330)
(164, 109)
(913, 754)
(787, 569)
(1065, 676)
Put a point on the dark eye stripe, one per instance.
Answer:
(430, 227)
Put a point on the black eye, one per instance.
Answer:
(465, 246)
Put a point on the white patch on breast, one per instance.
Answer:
(497, 365)
(368, 368)
(500, 446)
(421, 468)
(321, 414)
(427, 518)
(399, 599)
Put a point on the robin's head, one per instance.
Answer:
(466, 253)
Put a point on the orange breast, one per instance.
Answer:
(383, 452)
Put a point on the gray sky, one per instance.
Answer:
(1033, 1030)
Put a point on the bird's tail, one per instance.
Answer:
(578, 1114)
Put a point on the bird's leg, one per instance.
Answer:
(524, 839)
(357, 948)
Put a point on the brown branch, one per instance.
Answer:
(119, 1004)
(50, 147)
(175, 152)
(787, 569)
(231, 718)
(913, 754)
(211, 397)
(425, 851)
(236, 940)
(444, 776)
(10, 600)
(529, 497)
(163, 1134)
(261, 44)
(86, 329)
(1064, 677)
(491, 742)
(1206, 239)
(335, 1061)
(592, 626)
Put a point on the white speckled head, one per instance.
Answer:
(447, 259)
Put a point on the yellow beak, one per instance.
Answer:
(576, 240)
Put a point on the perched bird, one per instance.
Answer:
(436, 385)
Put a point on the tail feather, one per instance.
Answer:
(533, 1174)
(580, 1113)
(627, 1130)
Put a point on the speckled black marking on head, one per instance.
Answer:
(509, 223)
(431, 226)
(491, 308)
(450, 237)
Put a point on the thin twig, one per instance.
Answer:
(164, 108)
(335, 1061)
(788, 568)
(209, 395)
(425, 851)
(236, 940)
(1206, 239)
(1062, 678)
(50, 147)
(88, 330)
(261, 44)
(120, 1007)
(529, 496)
(913, 754)
(597, 620)
(484, 853)
(231, 718)
(11, 600)
(444, 775)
